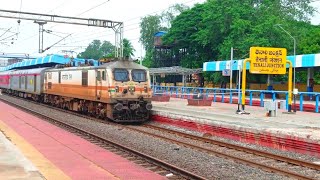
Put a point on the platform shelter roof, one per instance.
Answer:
(302, 61)
(174, 70)
(46, 61)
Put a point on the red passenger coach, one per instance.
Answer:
(4, 80)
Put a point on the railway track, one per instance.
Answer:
(144, 160)
(270, 162)
(260, 159)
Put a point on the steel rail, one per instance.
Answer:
(219, 143)
(167, 166)
(233, 157)
(240, 148)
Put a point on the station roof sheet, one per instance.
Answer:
(28, 71)
(306, 60)
(175, 70)
(160, 33)
(45, 62)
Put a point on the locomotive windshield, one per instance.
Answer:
(138, 75)
(121, 75)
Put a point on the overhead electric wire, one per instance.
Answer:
(31, 36)
(104, 35)
(76, 15)
(101, 36)
(126, 30)
(125, 21)
(20, 8)
(87, 11)
(56, 43)
(5, 32)
(127, 25)
(157, 11)
(93, 8)
(8, 37)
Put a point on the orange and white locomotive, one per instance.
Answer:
(118, 90)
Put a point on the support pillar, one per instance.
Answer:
(269, 83)
(310, 81)
(184, 80)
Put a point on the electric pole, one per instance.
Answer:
(41, 23)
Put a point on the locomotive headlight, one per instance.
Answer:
(117, 88)
(132, 89)
(145, 89)
(148, 106)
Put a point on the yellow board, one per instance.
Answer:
(266, 60)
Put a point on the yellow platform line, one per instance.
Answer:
(46, 168)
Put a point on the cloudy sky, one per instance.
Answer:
(23, 38)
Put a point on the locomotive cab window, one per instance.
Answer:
(139, 75)
(121, 75)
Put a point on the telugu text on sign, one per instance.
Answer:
(268, 60)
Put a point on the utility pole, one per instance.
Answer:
(41, 23)
(141, 54)
(239, 94)
(231, 63)
(295, 91)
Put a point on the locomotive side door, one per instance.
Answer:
(98, 84)
(35, 83)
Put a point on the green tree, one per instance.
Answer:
(107, 49)
(310, 43)
(127, 48)
(208, 31)
(97, 50)
(92, 51)
(168, 16)
(148, 59)
(184, 35)
(151, 24)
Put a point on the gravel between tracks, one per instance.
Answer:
(253, 146)
(208, 166)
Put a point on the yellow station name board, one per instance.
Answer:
(266, 60)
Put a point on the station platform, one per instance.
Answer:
(34, 149)
(298, 132)
(13, 164)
